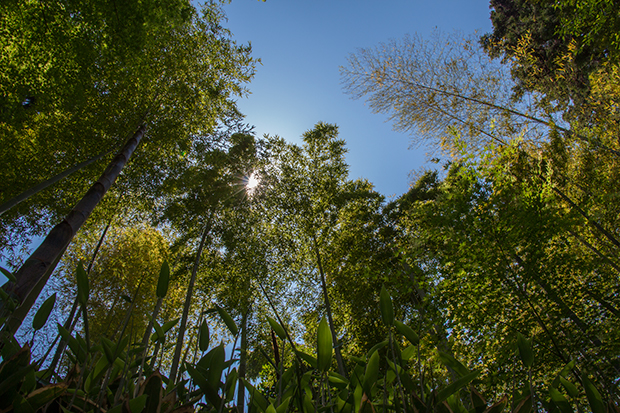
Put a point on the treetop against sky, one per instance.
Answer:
(302, 45)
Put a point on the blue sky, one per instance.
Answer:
(302, 43)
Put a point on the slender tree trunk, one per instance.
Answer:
(242, 361)
(43, 185)
(188, 300)
(51, 249)
(328, 309)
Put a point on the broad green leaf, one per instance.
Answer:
(311, 360)
(324, 346)
(257, 398)
(208, 390)
(137, 405)
(82, 284)
(452, 388)
(387, 310)
(453, 363)
(169, 324)
(375, 348)
(40, 318)
(571, 389)
(372, 372)
(45, 394)
(108, 349)
(231, 385)
(594, 397)
(477, 400)
(524, 406)
(277, 328)
(163, 280)
(159, 332)
(407, 332)
(203, 336)
(216, 366)
(497, 407)
(228, 320)
(525, 350)
(283, 407)
(560, 401)
(74, 345)
(409, 352)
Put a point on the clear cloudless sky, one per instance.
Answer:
(302, 44)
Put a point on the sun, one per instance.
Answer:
(252, 182)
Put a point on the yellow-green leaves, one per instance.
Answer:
(324, 346)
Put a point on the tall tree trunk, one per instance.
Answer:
(188, 299)
(43, 260)
(328, 309)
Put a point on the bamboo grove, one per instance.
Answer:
(208, 269)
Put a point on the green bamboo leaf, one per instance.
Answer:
(594, 397)
(311, 360)
(374, 348)
(283, 407)
(41, 396)
(277, 328)
(407, 332)
(137, 405)
(477, 400)
(8, 274)
(387, 310)
(453, 363)
(560, 401)
(208, 390)
(409, 352)
(159, 332)
(231, 385)
(257, 398)
(524, 406)
(40, 318)
(324, 346)
(498, 407)
(66, 336)
(571, 389)
(203, 336)
(163, 280)
(525, 350)
(228, 320)
(108, 349)
(452, 388)
(169, 324)
(216, 366)
(82, 284)
(372, 372)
